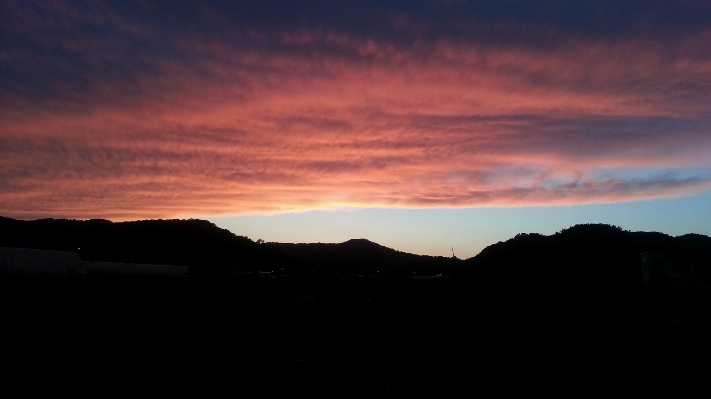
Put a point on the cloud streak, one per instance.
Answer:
(162, 110)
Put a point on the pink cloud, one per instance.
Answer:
(274, 120)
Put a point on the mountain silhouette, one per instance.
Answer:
(361, 255)
(304, 332)
(581, 255)
(584, 254)
(205, 248)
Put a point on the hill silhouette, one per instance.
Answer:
(205, 248)
(584, 254)
(581, 255)
(361, 255)
(369, 337)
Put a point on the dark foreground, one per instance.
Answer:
(254, 337)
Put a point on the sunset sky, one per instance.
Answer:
(418, 125)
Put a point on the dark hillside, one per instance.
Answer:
(195, 243)
(580, 255)
(360, 255)
(366, 337)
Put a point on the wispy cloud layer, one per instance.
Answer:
(144, 109)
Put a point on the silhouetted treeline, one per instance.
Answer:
(359, 337)
(589, 254)
(580, 255)
(205, 248)
(360, 255)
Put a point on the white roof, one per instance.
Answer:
(41, 263)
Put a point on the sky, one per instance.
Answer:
(419, 125)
